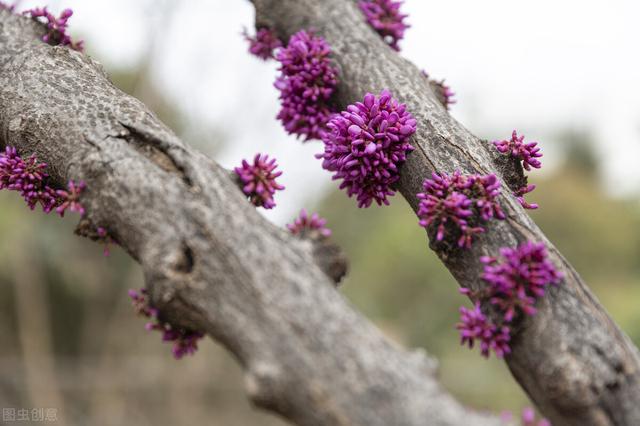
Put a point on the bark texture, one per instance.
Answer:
(211, 262)
(571, 358)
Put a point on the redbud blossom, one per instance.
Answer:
(366, 145)
(259, 180)
(385, 17)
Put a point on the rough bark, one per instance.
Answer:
(210, 261)
(571, 358)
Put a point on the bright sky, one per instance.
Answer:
(539, 67)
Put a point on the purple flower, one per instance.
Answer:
(313, 225)
(519, 278)
(57, 34)
(263, 43)
(385, 17)
(458, 202)
(259, 180)
(528, 153)
(185, 342)
(28, 177)
(366, 145)
(306, 82)
(17, 174)
(475, 325)
(70, 199)
(529, 418)
(520, 197)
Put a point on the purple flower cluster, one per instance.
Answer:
(263, 44)
(29, 178)
(529, 154)
(259, 180)
(385, 17)
(516, 281)
(366, 145)
(528, 418)
(306, 82)
(185, 342)
(475, 325)
(519, 278)
(57, 34)
(313, 225)
(458, 202)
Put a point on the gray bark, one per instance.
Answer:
(571, 358)
(210, 261)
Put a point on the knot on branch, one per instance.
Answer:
(443, 92)
(261, 381)
(331, 259)
(511, 170)
(86, 228)
(522, 156)
(328, 256)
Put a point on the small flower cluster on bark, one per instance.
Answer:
(258, 180)
(312, 226)
(458, 205)
(385, 17)
(29, 178)
(57, 27)
(516, 280)
(263, 44)
(475, 326)
(185, 342)
(526, 153)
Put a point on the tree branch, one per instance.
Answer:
(211, 262)
(571, 358)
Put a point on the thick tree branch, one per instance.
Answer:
(571, 358)
(211, 262)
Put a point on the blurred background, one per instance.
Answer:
(563, 73)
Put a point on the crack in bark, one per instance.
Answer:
(155, 150)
